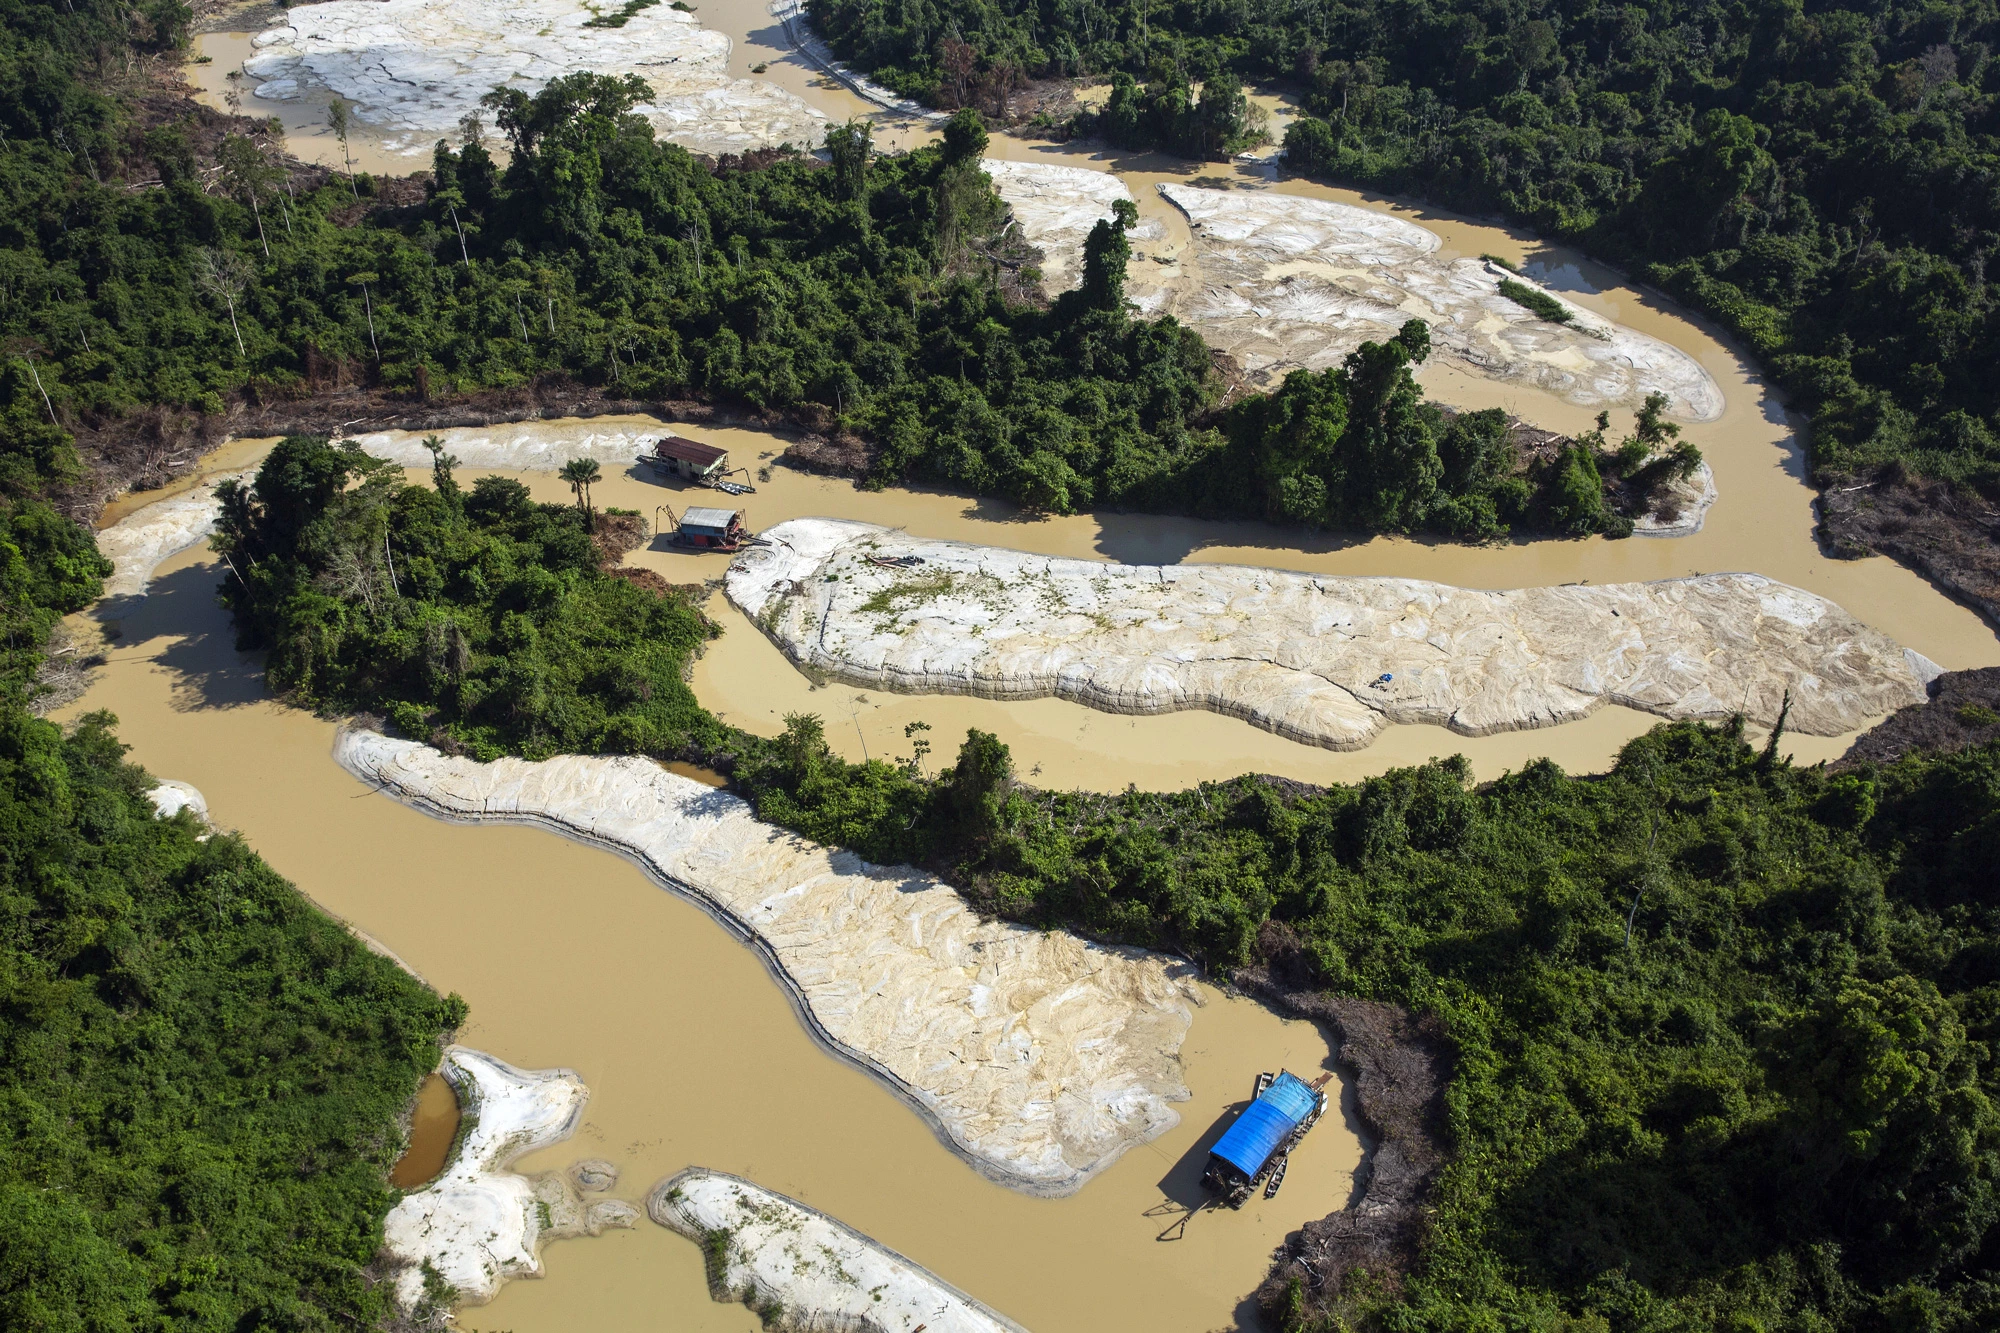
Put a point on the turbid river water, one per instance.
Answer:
(570, 957)
(433, 1125)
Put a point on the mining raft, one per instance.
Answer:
(1256, 1149)
(702, 464)
(702, 529)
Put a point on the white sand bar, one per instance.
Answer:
(817, 1272)
(136, 544)
(1038, 1056)
(1282, 281)
(1057, 206)
(477, 1224)
(1304, 655)
(1290, 281)
(413, 68)
(519, 446)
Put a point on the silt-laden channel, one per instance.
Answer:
(569, 956)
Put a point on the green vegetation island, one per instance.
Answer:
(1705, 1042)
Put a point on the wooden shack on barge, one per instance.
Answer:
(690, 460)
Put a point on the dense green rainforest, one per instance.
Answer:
(176, 265)
(1721, 1028)
(1823, 178)
(200, 1072)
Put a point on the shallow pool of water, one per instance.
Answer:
(433, 1126)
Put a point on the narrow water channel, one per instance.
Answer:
(570, 957)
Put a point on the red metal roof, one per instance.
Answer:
(701, 455)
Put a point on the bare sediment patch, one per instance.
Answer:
(1322, 660)
(1290, 281)
(1963, 711)
(523, 446)
(414, 68)
(1039, 1056)
(1402, 1063)
(137, 543)
(169, 798)
(806, 1270)
(1281, 281)
(478, 1224)
(1056, 207)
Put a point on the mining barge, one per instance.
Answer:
(1256, 1149)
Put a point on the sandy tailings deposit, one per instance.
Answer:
(1323, 660)
(1040, 1057)
(774, 1252)
(414, 68)
(1057, 206)
(478, 1223)
(137, 543)
(1282, 281)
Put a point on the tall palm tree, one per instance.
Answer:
(580, 473)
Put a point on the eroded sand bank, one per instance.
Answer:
(776, 1254)
(1321, 660)
(1039, 1056)
(414, 68)
(137, 543)
(1281, 281)
(478, 1224)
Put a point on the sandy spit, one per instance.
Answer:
(479, 1224)
(815, 1272)
(1037, 1056)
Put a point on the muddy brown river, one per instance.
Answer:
(569, 957)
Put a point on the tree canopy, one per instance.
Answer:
(1819, 177)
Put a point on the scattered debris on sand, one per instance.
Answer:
(1323, 660)
(1040, 1057)
(1948, 534)
(804, 1270)
(1402, 1063)
(478, 1224)
(414, 68)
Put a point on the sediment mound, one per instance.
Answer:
(1057, 206)
(519, 446)
(1039, 1056)
(414, 68)
(1282, 281)
(1296, 281)
(1323, 660)
(776, 1254)
(478, 1223)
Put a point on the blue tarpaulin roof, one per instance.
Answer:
(1249, 1143)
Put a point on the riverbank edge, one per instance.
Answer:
(659, 1207)
(1400, 1065)
(745, 933)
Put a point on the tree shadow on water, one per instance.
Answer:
(206, 669)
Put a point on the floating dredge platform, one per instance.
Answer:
(1256, 1149)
